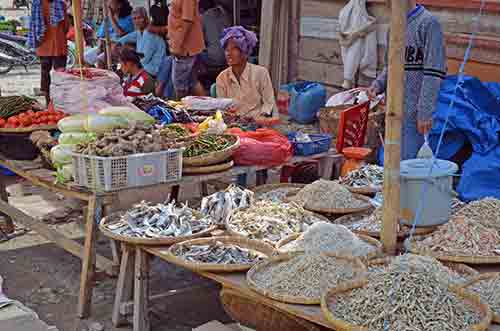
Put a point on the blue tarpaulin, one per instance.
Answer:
(474, 118)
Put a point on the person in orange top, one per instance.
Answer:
(186, 41)
(48, 28)
(249, 85)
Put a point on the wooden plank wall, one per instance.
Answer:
(319, 50)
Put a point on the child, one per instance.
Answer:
(425, 68)
(137, 82)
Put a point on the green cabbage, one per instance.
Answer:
(131, 114)
(64, 174)
(74, 138)
(101, 123)
(61, 155)
(75, 123)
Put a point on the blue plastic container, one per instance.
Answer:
(306, 99)
(320, 144)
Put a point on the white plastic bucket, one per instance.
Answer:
(435, 209)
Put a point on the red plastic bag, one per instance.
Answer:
(264, 147)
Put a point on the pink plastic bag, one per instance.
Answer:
(264, 147)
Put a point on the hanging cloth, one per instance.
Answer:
(358, 41)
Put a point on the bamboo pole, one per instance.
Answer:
(393, 122)
(236, 12)
(107, 39)
(77, 17)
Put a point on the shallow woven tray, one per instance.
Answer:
(450, 258)
(358, 266)
(367, 190)
(238, 234)
(207, 169)
(255, 245)
(212, 157)
(147, 241)
(262, 189)
(29, 129)
(341, 325)
(477, 279)
(291, 198)
(372, 241)
(402, 234)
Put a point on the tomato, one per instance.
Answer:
(2, 122)
(51, 123)
(12, 120)
(30, 112)
(36, 121)
(43, 119)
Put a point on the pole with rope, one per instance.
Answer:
(79, 38)
(107, 38)
(393, 124)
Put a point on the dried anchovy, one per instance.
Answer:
(218, 253)
(426, 264)
(305, 275)
(462, 237)
(489, 291)
(278, 194)
(324, 194)
(331, 238)
(369, 175)
(219, 206)
(456, 206)
(270, 221)
(404, 298)
(485, 211)
(159, 221)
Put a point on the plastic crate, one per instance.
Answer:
(116, 173)
(320, 144)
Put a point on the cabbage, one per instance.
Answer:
(101, 123)
(61, 155)
(129, 113)
(64, 174)
(75, 138)
(75, 123)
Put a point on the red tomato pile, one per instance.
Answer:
(32, 119)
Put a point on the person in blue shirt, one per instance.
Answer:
(150, 45)
(120, 23)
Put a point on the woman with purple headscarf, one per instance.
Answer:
(249, 85)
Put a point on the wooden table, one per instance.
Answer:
(133, 283)
(97, 203)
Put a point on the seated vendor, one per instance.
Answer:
(149, 44)
(137, 81)
(249, 85)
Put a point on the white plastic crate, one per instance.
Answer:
(116, 173)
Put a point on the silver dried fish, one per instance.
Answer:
(218, 253)
(369, 175)
(325, 194)
(219, 206)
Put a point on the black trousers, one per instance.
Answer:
(48, 63)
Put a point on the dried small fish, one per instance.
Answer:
(404, 297)
(270, 221)
(325, 194)
(489, 291)
(461, 236)
(218, 253)
(369, 175)
(219, 206)
(305, 275)
(330, 238)
(457, 205)
(426, 264)
(371, 223)
(485, 211)
(145, 220)
(278, 194)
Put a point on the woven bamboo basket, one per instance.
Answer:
(479, 278)
(337, 211)
(147, 241)
(367, 190)
(29, 129)
(262, 189)
(213, 157)
(341, 325)
(462, 269)
(258, 315)
(254, 245)
(359, 269)
(207, 169)
(235, 233)
(410, 246)
(372, 241)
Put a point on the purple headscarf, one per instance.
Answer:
(246, 40)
